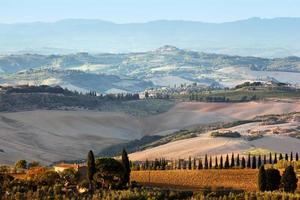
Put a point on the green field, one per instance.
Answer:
(246, 94)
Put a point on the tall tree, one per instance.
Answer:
(265, 159)
(270, 158)
(289, 179)
(280, 156)
(190, 163)
(259, 163)
(210, 162)
(232, 164)
(205, 162)
(147, 164)
(194, 163)
(226, 164)
(291, 157)
(221, 162)
(238, 160)
(273, 179)
(243, 164)
(200, 165)
(253, 162)
(91, 169)
(286, 157)
(249, 161)
(275, 158)
(156, 164)
(262, 179)
(297, 157)
(216, 163)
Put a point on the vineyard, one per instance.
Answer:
(229, 179)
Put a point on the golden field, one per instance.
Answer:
(244, 179)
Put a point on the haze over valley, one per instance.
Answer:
(136, 72)
(261, 37)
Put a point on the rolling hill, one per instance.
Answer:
(49, 136)
(76, 81)
(250, 137)
(131, 72)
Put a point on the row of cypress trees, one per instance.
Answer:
(250, 162)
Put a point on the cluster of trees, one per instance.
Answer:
(37, 89)
(108, 172)
(101, 173)
(38, 180)
(38, 97)
(199, 97)
(248, 84)
(29, 89)
(270, 179)
(209, 162)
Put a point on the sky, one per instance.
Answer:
(126, 11)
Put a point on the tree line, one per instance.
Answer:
(199, 97)
(64, 91)
(210, 162)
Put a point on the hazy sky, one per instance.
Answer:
(123, 11)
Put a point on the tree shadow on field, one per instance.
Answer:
(211, 191)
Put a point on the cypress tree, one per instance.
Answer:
(243, 164)
(270, 158)
(156, 164)
(221, 162)
(289, 179)
(226, 164)
(259, 163)
(194, 163)
(286, 157)
(253, 162)
(91, 169)
(238, 160)
(291, 158)
(160, 164)
(210, 162)
(147, 164)
(216, 162)
(232, 164)
(265, 159)
(280, 156)
(200, 166)
(163, 164)
(190, 163)
(297, 157)
(273, 179)
(205, 162)
(249, 161)
(275, 158)
(262, 179)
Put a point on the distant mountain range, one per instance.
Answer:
(133, 72)
(276, 37)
